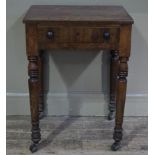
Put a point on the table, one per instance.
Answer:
(78, 27)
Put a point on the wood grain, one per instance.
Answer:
(108, 14)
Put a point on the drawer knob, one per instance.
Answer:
(50, 34)
(106, 36)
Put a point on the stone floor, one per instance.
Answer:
(77, 136)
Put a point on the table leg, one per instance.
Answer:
(41, 85)
(120, 102)
(33, 71)
(113, 81)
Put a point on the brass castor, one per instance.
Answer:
(33, 148)
(115, 146)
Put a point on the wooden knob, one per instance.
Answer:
(50, 34)
(106, 35)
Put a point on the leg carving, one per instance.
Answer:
(33, 71)
(41, 86)
(113, 79)
(120, 102)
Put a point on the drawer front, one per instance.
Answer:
(107, 36)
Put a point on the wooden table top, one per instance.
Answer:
(107, 14)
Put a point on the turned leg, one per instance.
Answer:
(120, 102)
(113, 80)
(41, 85)
(33, 71)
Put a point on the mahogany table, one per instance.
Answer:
(78, 27)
